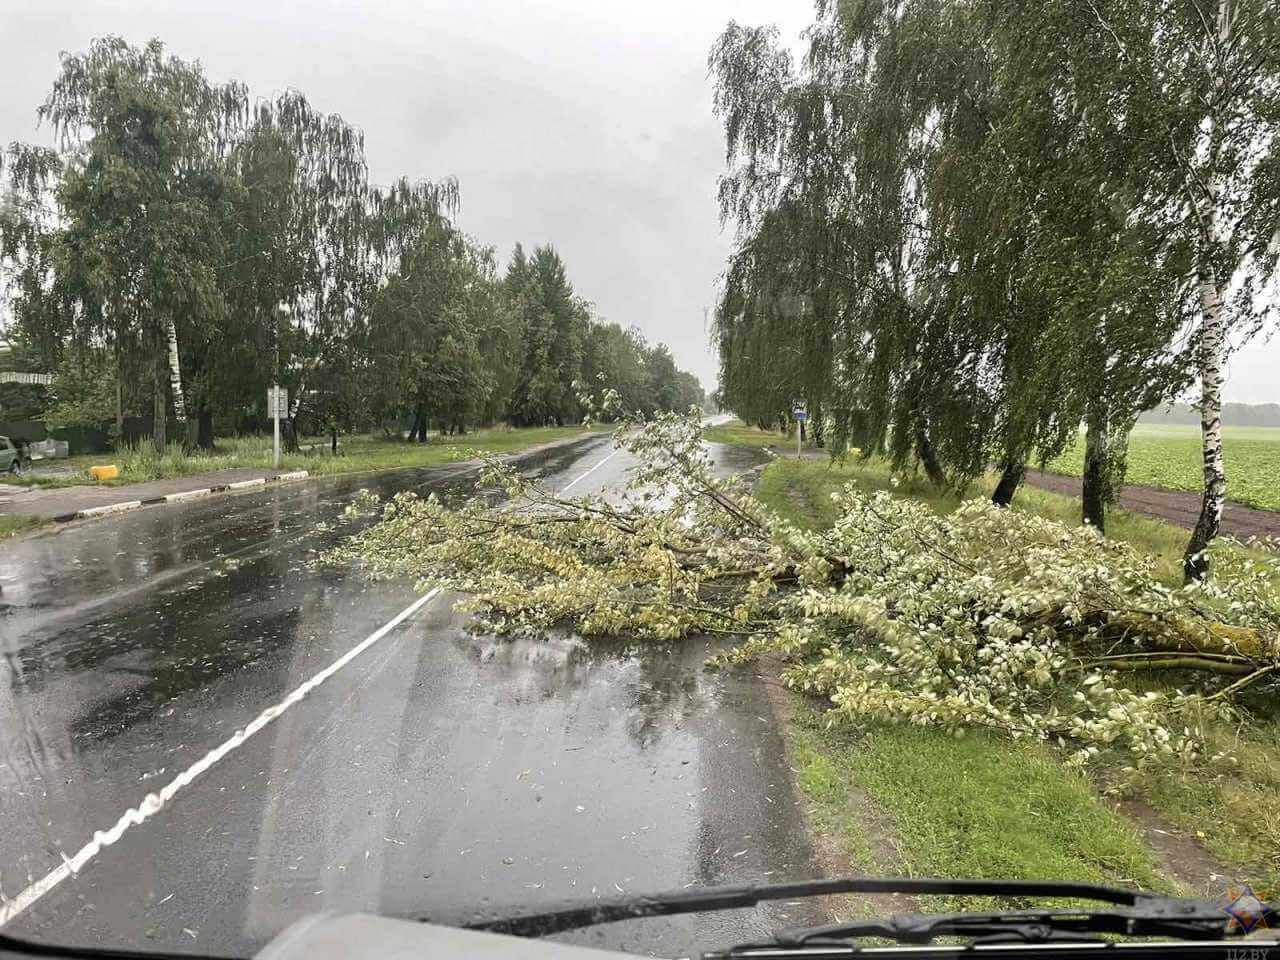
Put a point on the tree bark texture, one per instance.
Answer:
(929, 459)
(204, 429)
(1011, 475)
(119, 440)
(175, 371)
(159, 402)
(1195, 566)
(1094, 492)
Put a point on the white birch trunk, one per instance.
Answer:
(1212, 351)
(1212, 341)
(175, 371)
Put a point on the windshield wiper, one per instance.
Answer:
(1149, 916)
(1134, 913)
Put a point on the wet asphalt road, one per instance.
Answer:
(437, 774)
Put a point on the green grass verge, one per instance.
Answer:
(949, 798)
(739, 434)
(1169, 456)
(973, 806)
(1235, 814)
(12, 525)
(355, 455)
(800, 491)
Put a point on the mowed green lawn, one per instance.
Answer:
(1163, 455)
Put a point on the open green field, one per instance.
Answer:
(356, 454)
(1160, 455)
(1163, 455)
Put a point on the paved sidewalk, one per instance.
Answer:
(68, 502)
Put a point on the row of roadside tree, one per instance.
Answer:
(968, 227)
(183, 246)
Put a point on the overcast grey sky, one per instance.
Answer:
(585, 123)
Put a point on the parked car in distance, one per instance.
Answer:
(12, 457)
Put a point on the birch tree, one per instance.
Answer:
(143, 136)
(995, 231)
(1193, 92)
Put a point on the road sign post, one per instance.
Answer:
(800, 415)
(277, 406)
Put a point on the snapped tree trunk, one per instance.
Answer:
(1195, 565)
(1011, 475)
(1094, 489)
(929, 459)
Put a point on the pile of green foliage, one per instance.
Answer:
(985, 618)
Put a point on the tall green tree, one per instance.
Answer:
(1188, 91)
(554, 321)
(146, 138)
(964, 220)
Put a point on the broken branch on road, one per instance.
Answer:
(985, 618)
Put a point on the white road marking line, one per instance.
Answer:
(589, 472)
(154, 802)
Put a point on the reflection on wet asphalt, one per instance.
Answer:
(439, 774)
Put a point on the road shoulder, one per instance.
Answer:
(28, 509)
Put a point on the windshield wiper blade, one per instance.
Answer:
(1151, 915)
(596, 912)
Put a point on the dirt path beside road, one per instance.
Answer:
(1173, 506)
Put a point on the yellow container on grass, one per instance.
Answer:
(104, 472)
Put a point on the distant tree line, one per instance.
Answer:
(967, 227)
(184, 246)
(1233, 414)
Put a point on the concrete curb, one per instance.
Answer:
(185, 495)
(110, 508)
(180, 496)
